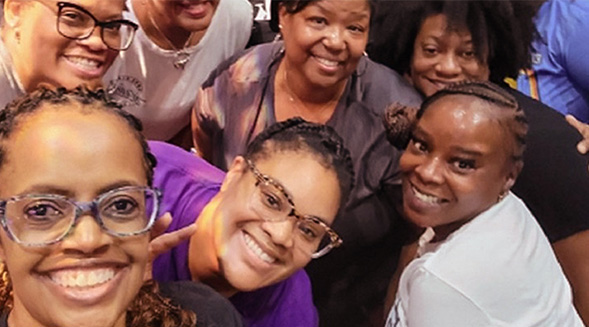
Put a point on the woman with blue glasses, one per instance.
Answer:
(76, 209)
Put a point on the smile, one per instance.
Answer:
(84, 63)
(327, 62)
(426, 198)
(82, 277)
(257, 250)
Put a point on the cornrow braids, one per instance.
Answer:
(296, 135)
(516, 122)
(16, 111)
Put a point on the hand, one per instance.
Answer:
(162, 242)
(583, 128)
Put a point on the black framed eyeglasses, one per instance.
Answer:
(76, 23)
(45, 219)
(273, 203)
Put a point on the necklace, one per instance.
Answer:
(182, 56)
(293, 97)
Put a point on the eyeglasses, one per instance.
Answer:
(44, 219)
(76, 23)
(272, 203)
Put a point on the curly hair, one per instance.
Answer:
(400, 120)
(149, 308)
(81, 98)
(501, 29)
(296, 134)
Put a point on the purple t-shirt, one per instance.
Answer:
(188, 183)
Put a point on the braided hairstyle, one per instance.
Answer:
(400, 120)
(84, 99)
(501, 30)
(320, 140)
(148, 308)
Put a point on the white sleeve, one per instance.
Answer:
(432, 302)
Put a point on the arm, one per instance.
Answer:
(571, 252)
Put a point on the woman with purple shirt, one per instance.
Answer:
(261, 223)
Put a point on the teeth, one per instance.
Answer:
(252, 245)
(84, 62)
(327, 62)
(82, 278)
(425, 197)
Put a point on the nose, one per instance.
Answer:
(430, 171)
(334, 38)
(86, 237)
(448, 66)
(281, 232)
(94, 41)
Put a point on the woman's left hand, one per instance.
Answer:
(162, 242)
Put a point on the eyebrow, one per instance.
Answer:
(470, 152)
(52, 189)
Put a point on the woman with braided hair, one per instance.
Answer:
(76, 209)
(483, 260)
(434, 43)
(258, 225)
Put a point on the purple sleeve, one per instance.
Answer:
(187, 183)
(288, 303)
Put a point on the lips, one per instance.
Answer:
(197, 9)
(257, 250)
(425, 197)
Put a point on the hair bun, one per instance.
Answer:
(398, 122)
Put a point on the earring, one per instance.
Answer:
(501, 196)
(279, 26)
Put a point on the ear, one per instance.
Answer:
(511, 176)
(282, 13)
(235, 171)
(13, 12)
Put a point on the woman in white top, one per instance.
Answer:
(483, 259)
(178, 44)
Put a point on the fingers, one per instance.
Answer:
(160, 225)
(583, 128)
(167, 241)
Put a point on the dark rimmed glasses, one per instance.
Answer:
(45, 219)
(272, 203)
(76, 23)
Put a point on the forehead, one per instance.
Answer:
(460, 119)
(355, 8)
(102, 9)
(64, 146)
(436, 26)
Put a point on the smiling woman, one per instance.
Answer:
(483, 257)
(76, 207)
(59, 43)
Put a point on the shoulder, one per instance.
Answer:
(210, 307)
(173, 159)
(554, 174)
(247, 66)
(378, 85)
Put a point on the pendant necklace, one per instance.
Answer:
(293, 97)
(182, 56)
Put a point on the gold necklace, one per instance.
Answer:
(293, 97)
(182, 56)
